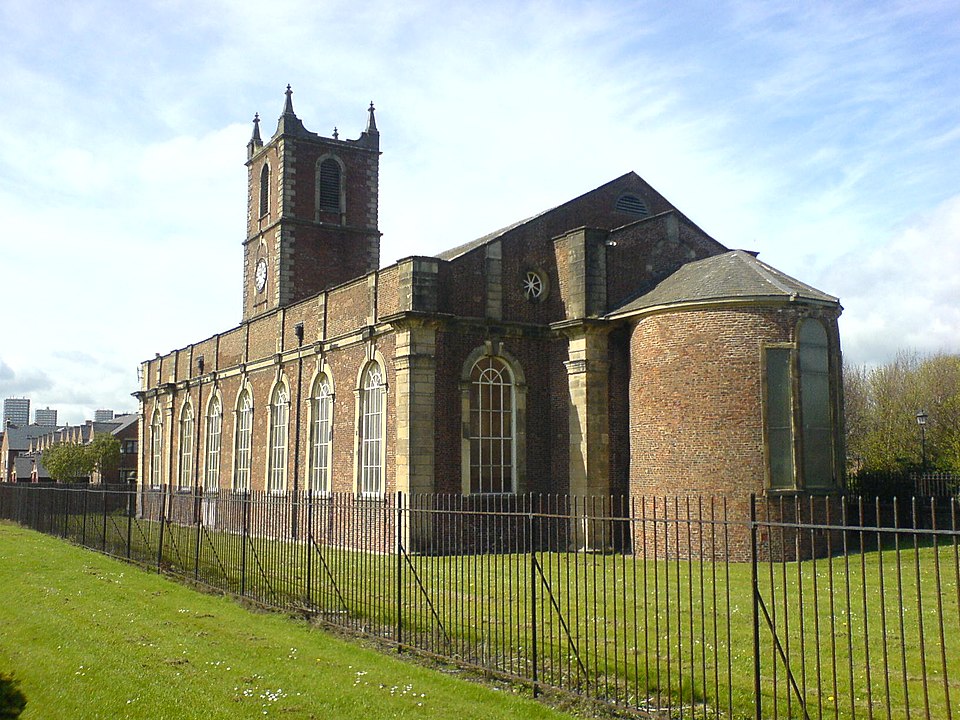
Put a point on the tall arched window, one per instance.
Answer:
(799, 411)
(329, 184)
(242, 440)
(214, 427)
(279, 422)
(156, 449)
(491, 429)
(815, 407)
(264, 190)
(372, 391)
(321, 435)
(185, 474)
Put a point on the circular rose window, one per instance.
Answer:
(534, 285)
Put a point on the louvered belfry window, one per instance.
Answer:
(329, 186)
(264, 190)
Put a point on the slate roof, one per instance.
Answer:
(19, 436)
(123, 421)
(24, 466)
(459, 250)
(454, 253)
(734, 275)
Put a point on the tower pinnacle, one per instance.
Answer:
(255, 142)
(289, 123)
(372, 121)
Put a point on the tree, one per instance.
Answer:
(66, 462)
(881, 406)
(104, 454)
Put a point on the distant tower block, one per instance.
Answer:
(45, 417)
(103, 416)
(16, 411)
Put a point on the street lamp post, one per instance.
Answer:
(922, 422)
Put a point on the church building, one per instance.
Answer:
(606, 346)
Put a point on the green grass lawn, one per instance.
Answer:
(92, 637)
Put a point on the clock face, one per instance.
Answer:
(260, 276)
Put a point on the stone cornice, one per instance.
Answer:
(756, 302)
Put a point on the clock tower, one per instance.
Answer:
(311, 212)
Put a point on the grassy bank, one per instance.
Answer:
(90, 637)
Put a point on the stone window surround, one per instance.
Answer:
(185, 446)
(373, 358)
(214, 421)
(244, 435)
(278, 437)
(493, 348)
(323, 376)
(796, 384)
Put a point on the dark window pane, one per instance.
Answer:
(780, 418)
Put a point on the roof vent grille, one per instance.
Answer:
(632, 205)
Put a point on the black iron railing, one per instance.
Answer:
(679, 607)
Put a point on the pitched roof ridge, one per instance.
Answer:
(466, 247)
(763, 270)
(774, 276)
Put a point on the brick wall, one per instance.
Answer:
(695, 400)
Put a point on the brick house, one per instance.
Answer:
(124, 427)
(605, 346)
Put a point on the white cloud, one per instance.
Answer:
(904, 293)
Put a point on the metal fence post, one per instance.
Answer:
(83, 522)
(755, 603)
(103, 496)
(245, 505)
(197, 510)
(399, 571)
(309, 546)
(533, 598)
(163, 505)
(131, 504)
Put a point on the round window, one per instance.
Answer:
(534, 285)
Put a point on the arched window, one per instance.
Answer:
(156, 449)
(185, 474)
(279, 422)
(815, 407)
(321, 434)
(264, 190)
(491, 429)
(214, 427)
(329, 186)
(372, 391)
(242, 439)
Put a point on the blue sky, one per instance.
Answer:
(824, 135)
